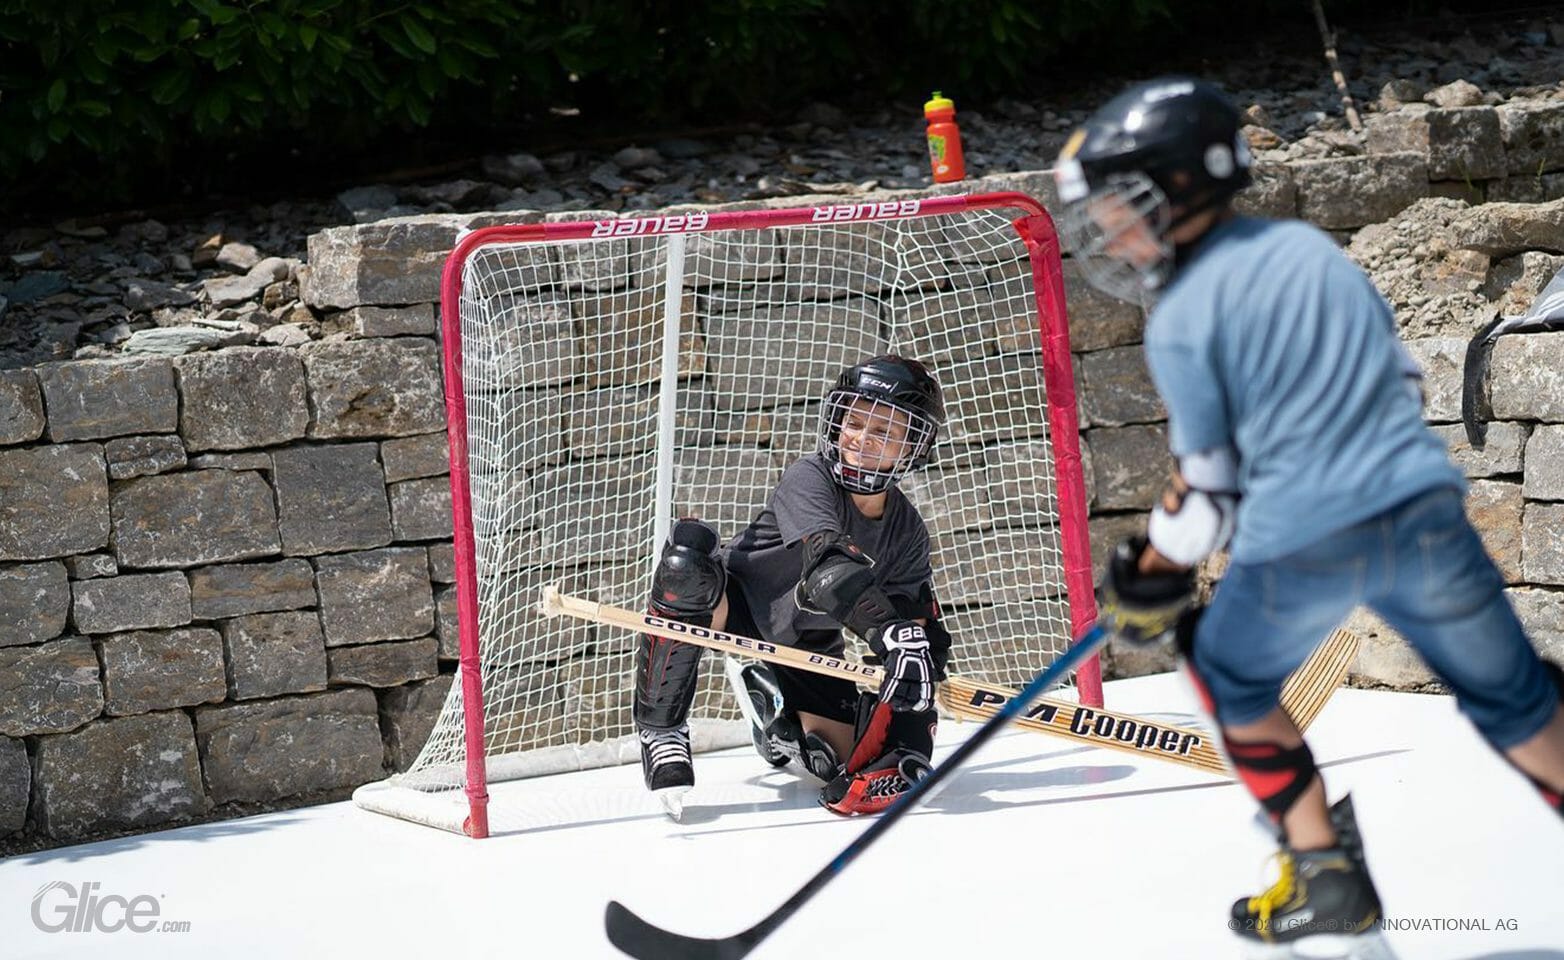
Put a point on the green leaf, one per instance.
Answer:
(57, 91)
(58, 129)
(248, 91)
(89, 134)
(252, 115)
(272, 24)
(451, 64)
(104, 50)
(429, 79)
(396, 41)
(268, 71)
(420, 111)
(421, 37)
(93, 108)
(478, 47)
(188, 29)
(307, 35)
(92, 68)
(171, 86)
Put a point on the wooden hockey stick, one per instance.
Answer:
(1303, 697)
(1186, 746)
(1305, 693)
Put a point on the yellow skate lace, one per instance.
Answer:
(1264, 904)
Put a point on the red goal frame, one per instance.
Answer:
(1035, 229)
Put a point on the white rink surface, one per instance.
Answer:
(1038, 848)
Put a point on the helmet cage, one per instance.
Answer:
(892, 440)
(1118, 234)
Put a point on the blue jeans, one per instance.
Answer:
(1422, 568)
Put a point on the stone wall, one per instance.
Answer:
(219, 577)
(225, 576)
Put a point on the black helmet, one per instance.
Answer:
(1160, 152)
(890, 385)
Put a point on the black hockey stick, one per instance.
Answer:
(643, 941)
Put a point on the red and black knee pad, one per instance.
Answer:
(689, 580)
(1276, 775)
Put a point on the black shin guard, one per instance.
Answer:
(665, 676)
(687, 586)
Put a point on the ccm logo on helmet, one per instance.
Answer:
(877, 384)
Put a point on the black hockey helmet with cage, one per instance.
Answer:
(1160, 152)
(891, 385)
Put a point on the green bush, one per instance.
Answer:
(100, 98)
(116, 78)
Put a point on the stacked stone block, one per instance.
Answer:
(213, 569)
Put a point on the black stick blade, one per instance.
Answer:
(643, 941)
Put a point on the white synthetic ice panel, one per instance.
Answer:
(1039, 848)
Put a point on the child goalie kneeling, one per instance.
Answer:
(836, 546)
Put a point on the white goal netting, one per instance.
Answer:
(612, 383)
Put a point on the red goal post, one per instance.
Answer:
(653, 345)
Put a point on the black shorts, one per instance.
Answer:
(803, 691)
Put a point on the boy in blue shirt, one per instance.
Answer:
(1294, 417)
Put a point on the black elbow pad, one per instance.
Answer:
(838, 580)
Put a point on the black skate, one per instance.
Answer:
(760, 701)
(777, 736)
(1323, 904)
(666, 764)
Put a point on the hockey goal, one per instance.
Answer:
(604, 377)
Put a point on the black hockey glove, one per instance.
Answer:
(1142, 608)
(908, 684)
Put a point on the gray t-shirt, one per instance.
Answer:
(766, 559)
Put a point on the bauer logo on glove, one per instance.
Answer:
(909, 668)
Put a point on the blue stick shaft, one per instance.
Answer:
(1041, 684)
(642, 940)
